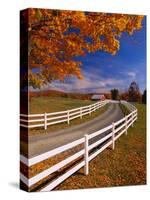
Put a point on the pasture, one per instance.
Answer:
(40, 105)
(123, 166)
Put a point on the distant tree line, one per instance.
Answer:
(144, 97)
(55, 93)
(133, 94)
(115, 94)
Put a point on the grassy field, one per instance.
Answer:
(54, 104)
(126, 165)
(124, 109)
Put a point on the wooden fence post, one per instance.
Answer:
(45, 121)
(68, 120)
(86, 155)
(132, 119)
(81, 113)
(90, 110)
(136, 114)
(94, 108)
(126, 122)
(113, 136)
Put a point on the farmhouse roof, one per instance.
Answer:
(97, 96)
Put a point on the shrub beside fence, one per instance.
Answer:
(102, 139)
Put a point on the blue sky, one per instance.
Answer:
(103, 71)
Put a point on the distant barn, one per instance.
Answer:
(100, 97)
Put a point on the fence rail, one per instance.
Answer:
(47, 119)
(102, 138)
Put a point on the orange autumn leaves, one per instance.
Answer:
(57, 37)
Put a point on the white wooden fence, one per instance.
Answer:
(46, 119)
(106, 137)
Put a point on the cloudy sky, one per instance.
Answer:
(102, 71)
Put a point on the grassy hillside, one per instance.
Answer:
(126, 165)
(54, 104)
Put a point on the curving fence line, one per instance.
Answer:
(46, 119)
(102, 139)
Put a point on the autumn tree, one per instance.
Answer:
(107, 95)
(115, 94)
(124, 96)
(144, 97)
(56, 38)
(134, 92)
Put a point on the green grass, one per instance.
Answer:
(125, 165)
(124, 109)
(54, 104)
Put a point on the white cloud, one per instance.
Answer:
(131, 74)
(91, 83)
